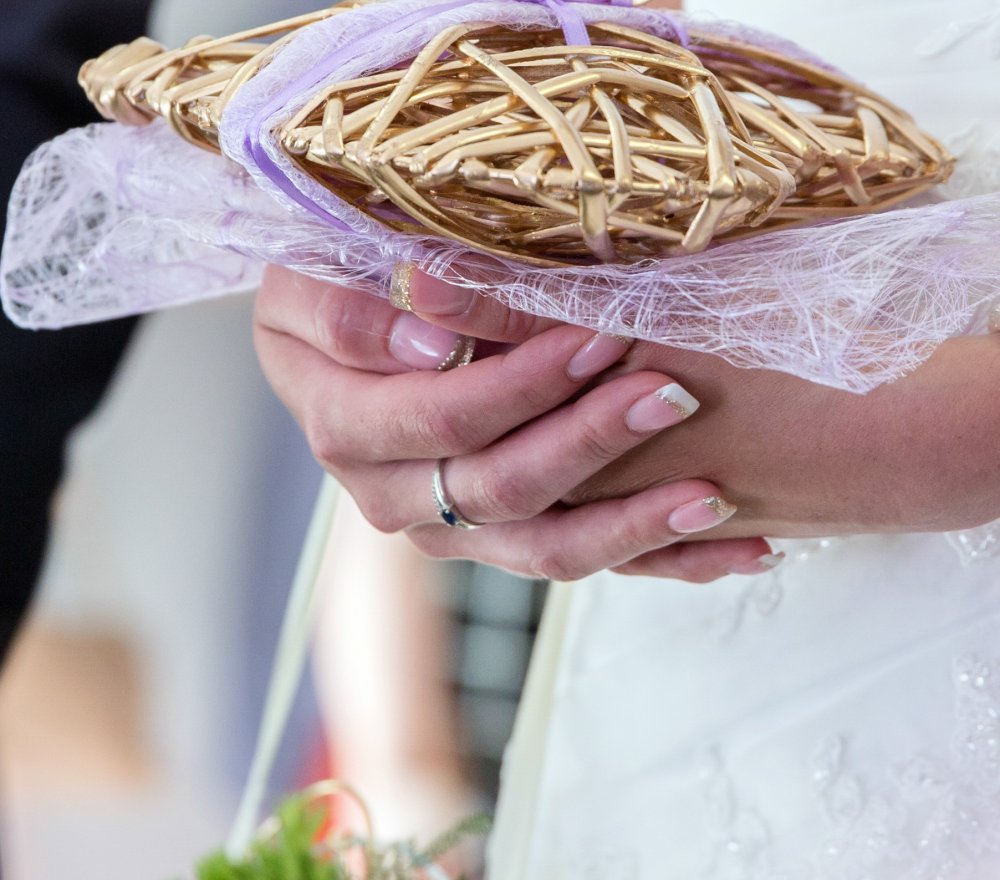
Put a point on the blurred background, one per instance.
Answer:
(170, 492)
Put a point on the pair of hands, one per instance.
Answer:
(557, 438)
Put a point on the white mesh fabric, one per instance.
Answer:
(108, 221)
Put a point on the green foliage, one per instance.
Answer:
(474, 826)
(292, 853)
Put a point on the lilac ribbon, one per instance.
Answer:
(257, 130)
(574, 30)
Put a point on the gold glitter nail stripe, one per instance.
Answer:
(624, 340)
(679, 400)
(720, 507)
(995, 319)
(399, 286)
(460, 355)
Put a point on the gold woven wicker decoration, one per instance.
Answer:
(519, 145)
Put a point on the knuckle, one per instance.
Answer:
(517, 325)
(595, 443)
(552, 565)
(536, 394)
(325, 442)
(439, 430)
(381, 513)
(329, 314)
(498, 496)
(521, 377)
(631, 533)
(627, 536)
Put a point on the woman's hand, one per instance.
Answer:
(799, 459)
(514, 428)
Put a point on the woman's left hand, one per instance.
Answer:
(516, 431)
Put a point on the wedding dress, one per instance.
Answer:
(837, 719)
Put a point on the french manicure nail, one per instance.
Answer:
(696, 516)
(595, 355)
(664, 407)
(760, 565)
(418, 344)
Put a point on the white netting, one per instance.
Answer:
(108, 221)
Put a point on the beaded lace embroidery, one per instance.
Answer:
(929, 817)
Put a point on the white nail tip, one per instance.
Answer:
(771, 560)
(674, 395)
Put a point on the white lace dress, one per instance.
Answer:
(838, 719)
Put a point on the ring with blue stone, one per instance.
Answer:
(446, 508)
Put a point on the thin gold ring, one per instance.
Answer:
(461, 354)
(399, 296)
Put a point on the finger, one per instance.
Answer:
(570, 544)
(354, 328)
(464, 309)
(703, 561)
(530, 469)
(353, 415)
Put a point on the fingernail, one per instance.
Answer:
(664, 407)
(596, 354)
(399, 286)
(423, 346)
(696, 516)
(762, 564)
(436, 297)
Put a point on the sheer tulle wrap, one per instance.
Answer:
(108, 221)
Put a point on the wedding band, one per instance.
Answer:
(449, 513)
(461, 354)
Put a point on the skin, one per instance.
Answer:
(801, 459)
(568, 489)
(516, 431)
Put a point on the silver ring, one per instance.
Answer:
(449, 513)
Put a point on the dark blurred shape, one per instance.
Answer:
(49, 382)
(496, 616)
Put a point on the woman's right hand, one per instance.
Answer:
(357, 375)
